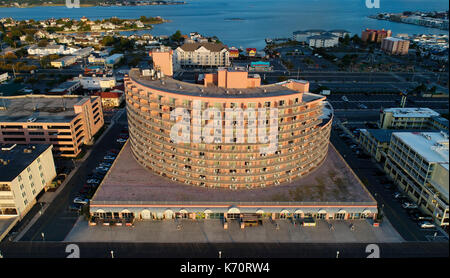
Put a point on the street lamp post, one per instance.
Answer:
(43, 236)
(337, 254)
(112, 254)
(220, 254)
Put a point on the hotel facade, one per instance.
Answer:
(418, 162)
(67, 122)
(301, 146)
(157, 177)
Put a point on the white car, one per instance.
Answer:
(109, 157)
(409, 206)
(92, 181)
(121, 140)
(426, 225)
(105, 164)
(79, 200)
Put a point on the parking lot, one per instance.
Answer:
(211, 230)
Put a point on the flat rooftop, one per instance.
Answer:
(432, 146)
(16, 158)
(171, 85)
(412, 112)
(384, 135)
(41, 107)
(129, 182)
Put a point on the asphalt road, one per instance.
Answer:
(57, 220)
(228, 250)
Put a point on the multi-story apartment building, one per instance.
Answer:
(395, 46)
(67, 122)
(418, 162)
(324, 40)
(25, 171)
(202, 54)
(303, 139)
(412, 118)
(231, 174)
(372, 35)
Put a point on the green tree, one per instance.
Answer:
(177, 36)
(42, 43)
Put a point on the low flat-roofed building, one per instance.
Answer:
(67, 122)
(376, 141)
(111, 99)
(411, 118)
(65, 88)
(25, 170)
(63, 62)
(97, 82)
(418, 162)
(130, 191)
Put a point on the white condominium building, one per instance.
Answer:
(202, 54)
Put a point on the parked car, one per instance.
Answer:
(75, 207)
(424, 218)
(113, 151)
(80, 200)
(94, 181)
(407, 205)
(398, 195)
(426, 225)
(105, 164)
(121, 140)
(109, 157)
(102, 169)
(353, 146)
(362, 106)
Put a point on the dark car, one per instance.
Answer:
(75, 207)
(113, 151)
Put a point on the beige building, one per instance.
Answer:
(412, 118)
(375, 142)
(25, 170)
(67, 122)
(395, 46)
(418, 162)
(202, 54)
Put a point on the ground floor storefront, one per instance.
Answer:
(131, 213)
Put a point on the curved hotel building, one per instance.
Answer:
(228, 148)
(294, 129)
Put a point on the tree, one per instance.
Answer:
(108, 40)
(177, 36)
(42, 43)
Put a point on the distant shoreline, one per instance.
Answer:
(93, 5)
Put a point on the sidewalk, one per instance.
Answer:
(48, 197)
